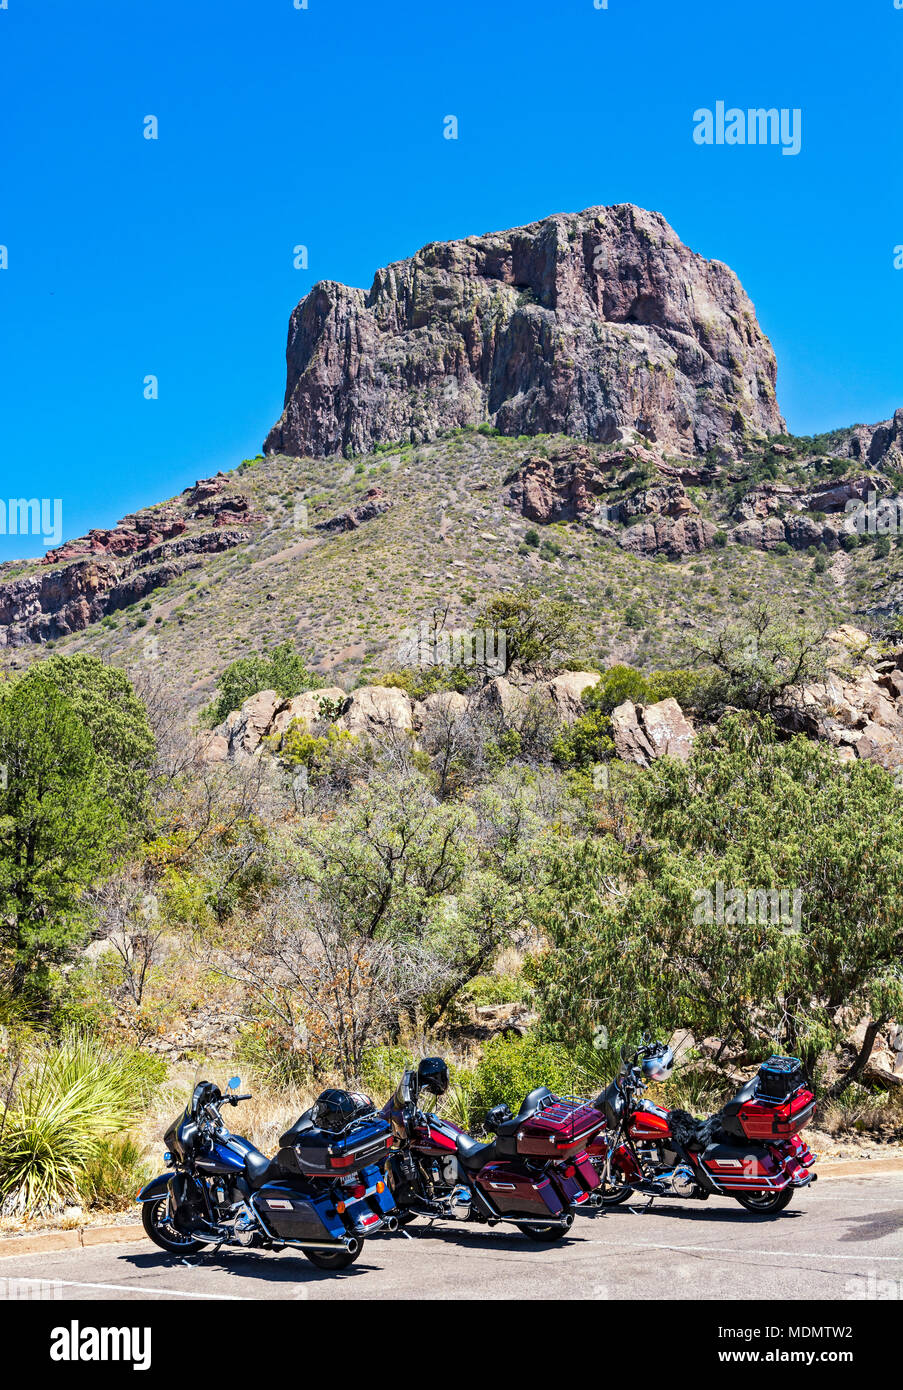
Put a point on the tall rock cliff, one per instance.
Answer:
(595, 324)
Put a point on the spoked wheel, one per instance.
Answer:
(766, 1203)
(333, 1259)
(547, 1235)
(158, 1225)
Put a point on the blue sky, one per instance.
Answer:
(323, 127)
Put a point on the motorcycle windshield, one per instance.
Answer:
(406, 1091)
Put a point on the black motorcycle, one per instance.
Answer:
(322, 1194)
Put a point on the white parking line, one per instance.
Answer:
(742, 1250)
(129, 1288)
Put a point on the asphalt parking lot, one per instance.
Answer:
(841, 1239)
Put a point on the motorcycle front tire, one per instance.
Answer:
(153, 1218)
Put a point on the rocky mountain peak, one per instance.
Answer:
(600, 325)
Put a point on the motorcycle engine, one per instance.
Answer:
(459, 1204)
(683, 1183)
(245, 1225)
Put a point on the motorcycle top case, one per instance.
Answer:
(320, 1153)
(295, 1215)
(767, 1119)
(559, 1130)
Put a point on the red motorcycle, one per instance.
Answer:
(535, 1173)
(750, 1150)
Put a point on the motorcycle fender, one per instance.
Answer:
(156, 1188)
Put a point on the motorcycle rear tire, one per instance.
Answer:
(164, 1235)
(769, 1204)
(332, 1259)
(543, 1234)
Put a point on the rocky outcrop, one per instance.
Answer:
(643, 733)
(206, 501)
(374, 710)
(130, 535)
(571, 485)
(858, 708)
(878, 446)
(52, 605)
(599, 324)
(381, 711)
(374, 504)
(566, 693)
(674, 539)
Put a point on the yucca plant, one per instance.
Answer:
(114, 1174)
(75, 1094)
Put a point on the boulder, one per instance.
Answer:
(305, 708)
(646, 732)
(443, 704)
(245, 728)
(372, 710)
(566, 693)
(631, 743)
(668, 730)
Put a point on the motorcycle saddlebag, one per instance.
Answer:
(575, 1179)
(779, 1078)
(316, 1152)
(512, 1191)
(295, 1215)
(751, 1168)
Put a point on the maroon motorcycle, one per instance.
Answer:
(534, 1174)
(751, 1150)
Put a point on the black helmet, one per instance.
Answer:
(335, 1110)
(432, 1075)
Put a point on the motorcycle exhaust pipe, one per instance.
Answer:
(391, 1224)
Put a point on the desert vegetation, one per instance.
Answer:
(342, 901)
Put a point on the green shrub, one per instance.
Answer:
(282, 669)
(115, 1173)
(74, 1097)
(511, 1067)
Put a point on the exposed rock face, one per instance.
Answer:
(566, 692)
(133, 533)
(377, 709)
(594, 324)
(570, 486)
(675, 539)
(878, 445)
(374, 504)
(206, 500)
(52, 605)
(369, 711)
(643, 733)
(859, 707)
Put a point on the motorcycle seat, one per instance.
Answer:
(473, 1155)
(260, 1169)
(531, 1104)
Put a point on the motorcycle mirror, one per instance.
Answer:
(234, 1083)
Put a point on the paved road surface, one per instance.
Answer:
(837, 1240)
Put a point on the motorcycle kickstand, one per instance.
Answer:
(638, 1211)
